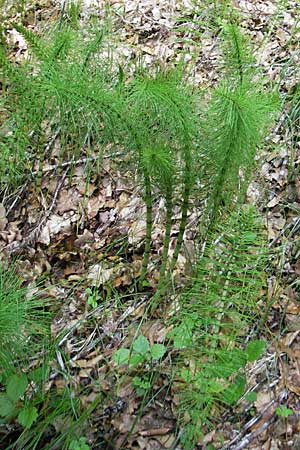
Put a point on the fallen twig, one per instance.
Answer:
(14, 247)
(242, 439)
(77, 162)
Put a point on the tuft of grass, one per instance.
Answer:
(24, 320)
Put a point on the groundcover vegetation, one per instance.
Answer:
(72, 102)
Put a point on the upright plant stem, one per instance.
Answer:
(149, 207)
(185, 205)
(239, 58)
(148, 201)
(167, 237)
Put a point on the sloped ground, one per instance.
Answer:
(81, 233)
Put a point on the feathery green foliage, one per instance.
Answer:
(239, 114)
(87, 103)
(57, 89)
(163, 115)
(213, 316)
(239, 63)
(148, 115)
(68, 85)
(24, 322)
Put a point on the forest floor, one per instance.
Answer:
(78, 227)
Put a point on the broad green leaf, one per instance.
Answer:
(141, 345)
(157, 351)
(136, 359)
(16, 386)
(283, 411)
(27, 416)
(79, 444)
(254, 349)
(7, 407)
(121, 356)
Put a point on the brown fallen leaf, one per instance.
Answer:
(293, 382)
(93, 206)
(155, 432)
(3, 219)
(262, 399)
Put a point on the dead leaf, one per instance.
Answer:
(3, 219)
(137, 232)
(68, 200)
(86, 189)
(273, 202)
(293, 382)
(94, 205)
(56, 224)
(263, 399)
(155, 432)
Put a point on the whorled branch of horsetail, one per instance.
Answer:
(186, 190)
(216, 328)
(239, 58)
(216, 196)
(147, 185)
(220, 181)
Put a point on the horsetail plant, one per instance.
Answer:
(212, 317)
(240, 112)
(24, 321)
(153, 116)
(164, 114)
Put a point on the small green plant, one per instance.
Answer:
(240, 112)
(24, 321)
(14, 403)
(212, 317)
(283, 411)
(142, 384)
(141, 352)
(163, 122)
(79, 444)
(93, 297)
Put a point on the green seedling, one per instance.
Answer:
(141, 352)
(93, 297)
(14, 404)
(142, 384)
(79, 444)
(283, 411)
